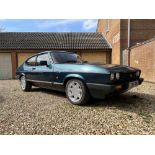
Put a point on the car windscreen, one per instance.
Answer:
(65, 57)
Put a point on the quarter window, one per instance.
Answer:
(42, 57)
(31, 61)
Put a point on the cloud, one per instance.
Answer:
(89, 24)
(54, 23)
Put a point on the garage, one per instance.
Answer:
(5, 66)
(16, 47)
(94, 57)
(23, 56)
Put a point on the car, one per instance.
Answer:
(65, 71)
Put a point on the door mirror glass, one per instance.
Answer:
(43, 63)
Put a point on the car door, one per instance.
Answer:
(29, 68)
(43, 73)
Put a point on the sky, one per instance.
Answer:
(49, 25)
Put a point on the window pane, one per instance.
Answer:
(43, 57)
(32, 61)
(65, 57)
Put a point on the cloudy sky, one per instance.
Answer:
(49, 25)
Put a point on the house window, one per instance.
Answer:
(107, 25)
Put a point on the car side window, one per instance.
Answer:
(43, 57)
(32, 61)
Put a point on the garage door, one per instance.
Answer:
(94, 56)
(5, 66)
(23, 56)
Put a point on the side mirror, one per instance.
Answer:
(43, 63)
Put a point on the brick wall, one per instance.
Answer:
(143, 56)
(112, 35)
(140, 30)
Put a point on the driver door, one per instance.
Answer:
(43, 73)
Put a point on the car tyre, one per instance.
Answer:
(25, 85)
(77, 92)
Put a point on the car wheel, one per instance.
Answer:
(25, 85)
(77, 93)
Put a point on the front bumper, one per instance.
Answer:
(104, 90)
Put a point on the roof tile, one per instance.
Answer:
(52, 40)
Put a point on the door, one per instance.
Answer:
(5, 66)
(44, 73)
(92, 57)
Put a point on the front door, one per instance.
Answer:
(43, 74)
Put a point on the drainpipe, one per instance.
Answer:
(129, 42)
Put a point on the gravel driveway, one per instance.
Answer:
(47, 112)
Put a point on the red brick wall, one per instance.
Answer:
(113, 36)
(143, 57)
(141, 30)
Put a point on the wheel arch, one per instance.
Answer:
(73, 76)
(22, 74)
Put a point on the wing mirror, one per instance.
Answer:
(43, 63)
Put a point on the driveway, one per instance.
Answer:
(48, 112)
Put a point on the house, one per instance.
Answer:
(125, 33)
(15, 48)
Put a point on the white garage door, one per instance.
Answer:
(5, 66)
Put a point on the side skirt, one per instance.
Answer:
(48, 85)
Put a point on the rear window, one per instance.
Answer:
(65, 57)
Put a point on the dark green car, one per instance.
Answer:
(65, 71)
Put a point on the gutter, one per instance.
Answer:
(129, 34)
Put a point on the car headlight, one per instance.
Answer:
(112, 76)
(138, 73)
(117, 76)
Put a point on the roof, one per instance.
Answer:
(51, 40)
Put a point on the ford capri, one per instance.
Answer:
(80, 80)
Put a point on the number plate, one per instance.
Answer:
(133, 84)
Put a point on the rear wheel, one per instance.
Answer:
(25, 85)
(77, 93)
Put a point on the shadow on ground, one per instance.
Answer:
(140, 103)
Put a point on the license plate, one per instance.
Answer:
(133, 84)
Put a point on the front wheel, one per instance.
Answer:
(77, 93)
(25, 85)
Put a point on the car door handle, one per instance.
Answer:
(33, 68)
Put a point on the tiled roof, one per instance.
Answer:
(42, 40)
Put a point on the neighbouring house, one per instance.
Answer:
(132, 42)
(16, 47)
(124, 33)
